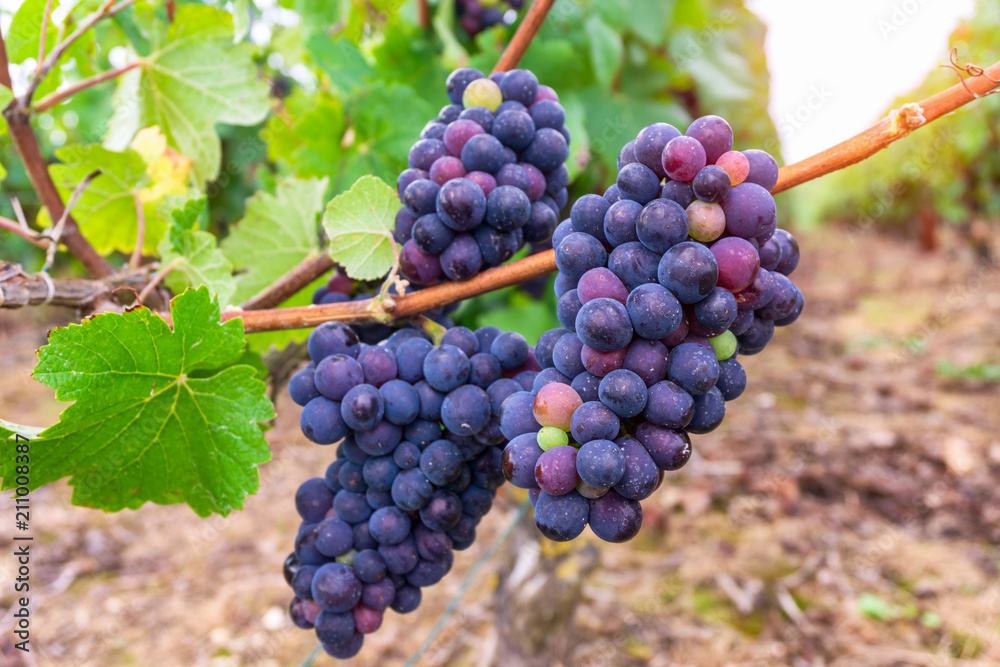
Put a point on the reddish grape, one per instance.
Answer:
(554, 405)
(738, 263)
(683, 158)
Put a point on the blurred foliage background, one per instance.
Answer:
(947, 173)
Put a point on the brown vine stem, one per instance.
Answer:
(424, 14)
(60, 96)
(287, 285)
(15, 227)
(4, 65)
(526, 32)
(886, 131)
(844, 154)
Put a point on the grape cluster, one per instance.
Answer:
(487, 176)
(477, 15)
(662, 282)
(417, 466)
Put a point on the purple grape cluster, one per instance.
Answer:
(487, 176)
(662, 283)
(477, 15)
(417, 466)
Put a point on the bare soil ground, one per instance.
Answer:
(847, 512)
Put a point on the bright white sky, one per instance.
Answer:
(838, 65)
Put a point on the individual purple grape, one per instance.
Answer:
(425, 152)
(647, 359)
(634, 264)
(516, 176)
(461, 204)
(537, 179)
(507, 208)
(749, 210)
(650, 143)
(587, 386)
(601, 363)
(561, 518)
(711, 184)
(717, 310)
(566, 355)
(519, 459)
(678, 191)
(770, 253)
(604, 325)
(662, 225)
(789, 256)
(547, 151)
(638, 182)
(445, 169)
(548, 113)
(462, 259)
(732, 379)
(366, 619)
(763, 169)
(594, 421)
(335, 628)
(669, 448)
(714, 134)
(577, 253)
(668, 405)
(784, 301)
(756, 337)
(378, 364)
(486, 182)
(433, 130)
(624, 392)
(641, 474)
(442, 512)
(588, 213)
(599, 464)
(482, 152)
(408, 176)
(758, 294)
(481, 115)
(321, 421)
(794, 315)
(653, 311)
(689, 270)
(555, 470)
(709, 410)
(614, 518)
(336, 588)
(693, 367)
(417, 266)
(682, 158)
(458, 134)
(541, 223)
(519, 85)
(620, 221)
(304, 613)
(517, 416)
(514, 129)
(336, 374)
(627, 155)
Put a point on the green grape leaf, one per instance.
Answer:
(606, 50)
(651, 19)
(382, 136)
(341, 60)
(194, 78)
(25, 29)
(106, 212)
(306, 140)
(278, 231)
(160, 416)
(194, 256)
(359, 224)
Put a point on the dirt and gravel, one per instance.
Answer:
(847, 513)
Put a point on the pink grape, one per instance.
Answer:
(738, 263)
(683, 158)
(554, 405)
(601, 282)
(736, 165)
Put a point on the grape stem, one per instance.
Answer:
(525, 34)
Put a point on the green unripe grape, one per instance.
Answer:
(724, 344)
(482, 93)
(348, 558)
(706, 222)
(550, 436)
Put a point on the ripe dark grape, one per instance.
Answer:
(638, 182)
(749, 210)
(620, 222)
(650, 143)
(614, 518)
(647, 359)
(689, 270)
(763, 170)
(711, 184)
(633, 263)
(682, 158)
(600, 463)
(561, 518)
(662, 225)
(603, 324)
(714, 134)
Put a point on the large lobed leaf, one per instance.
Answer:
(160, 416)
(194, 78)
